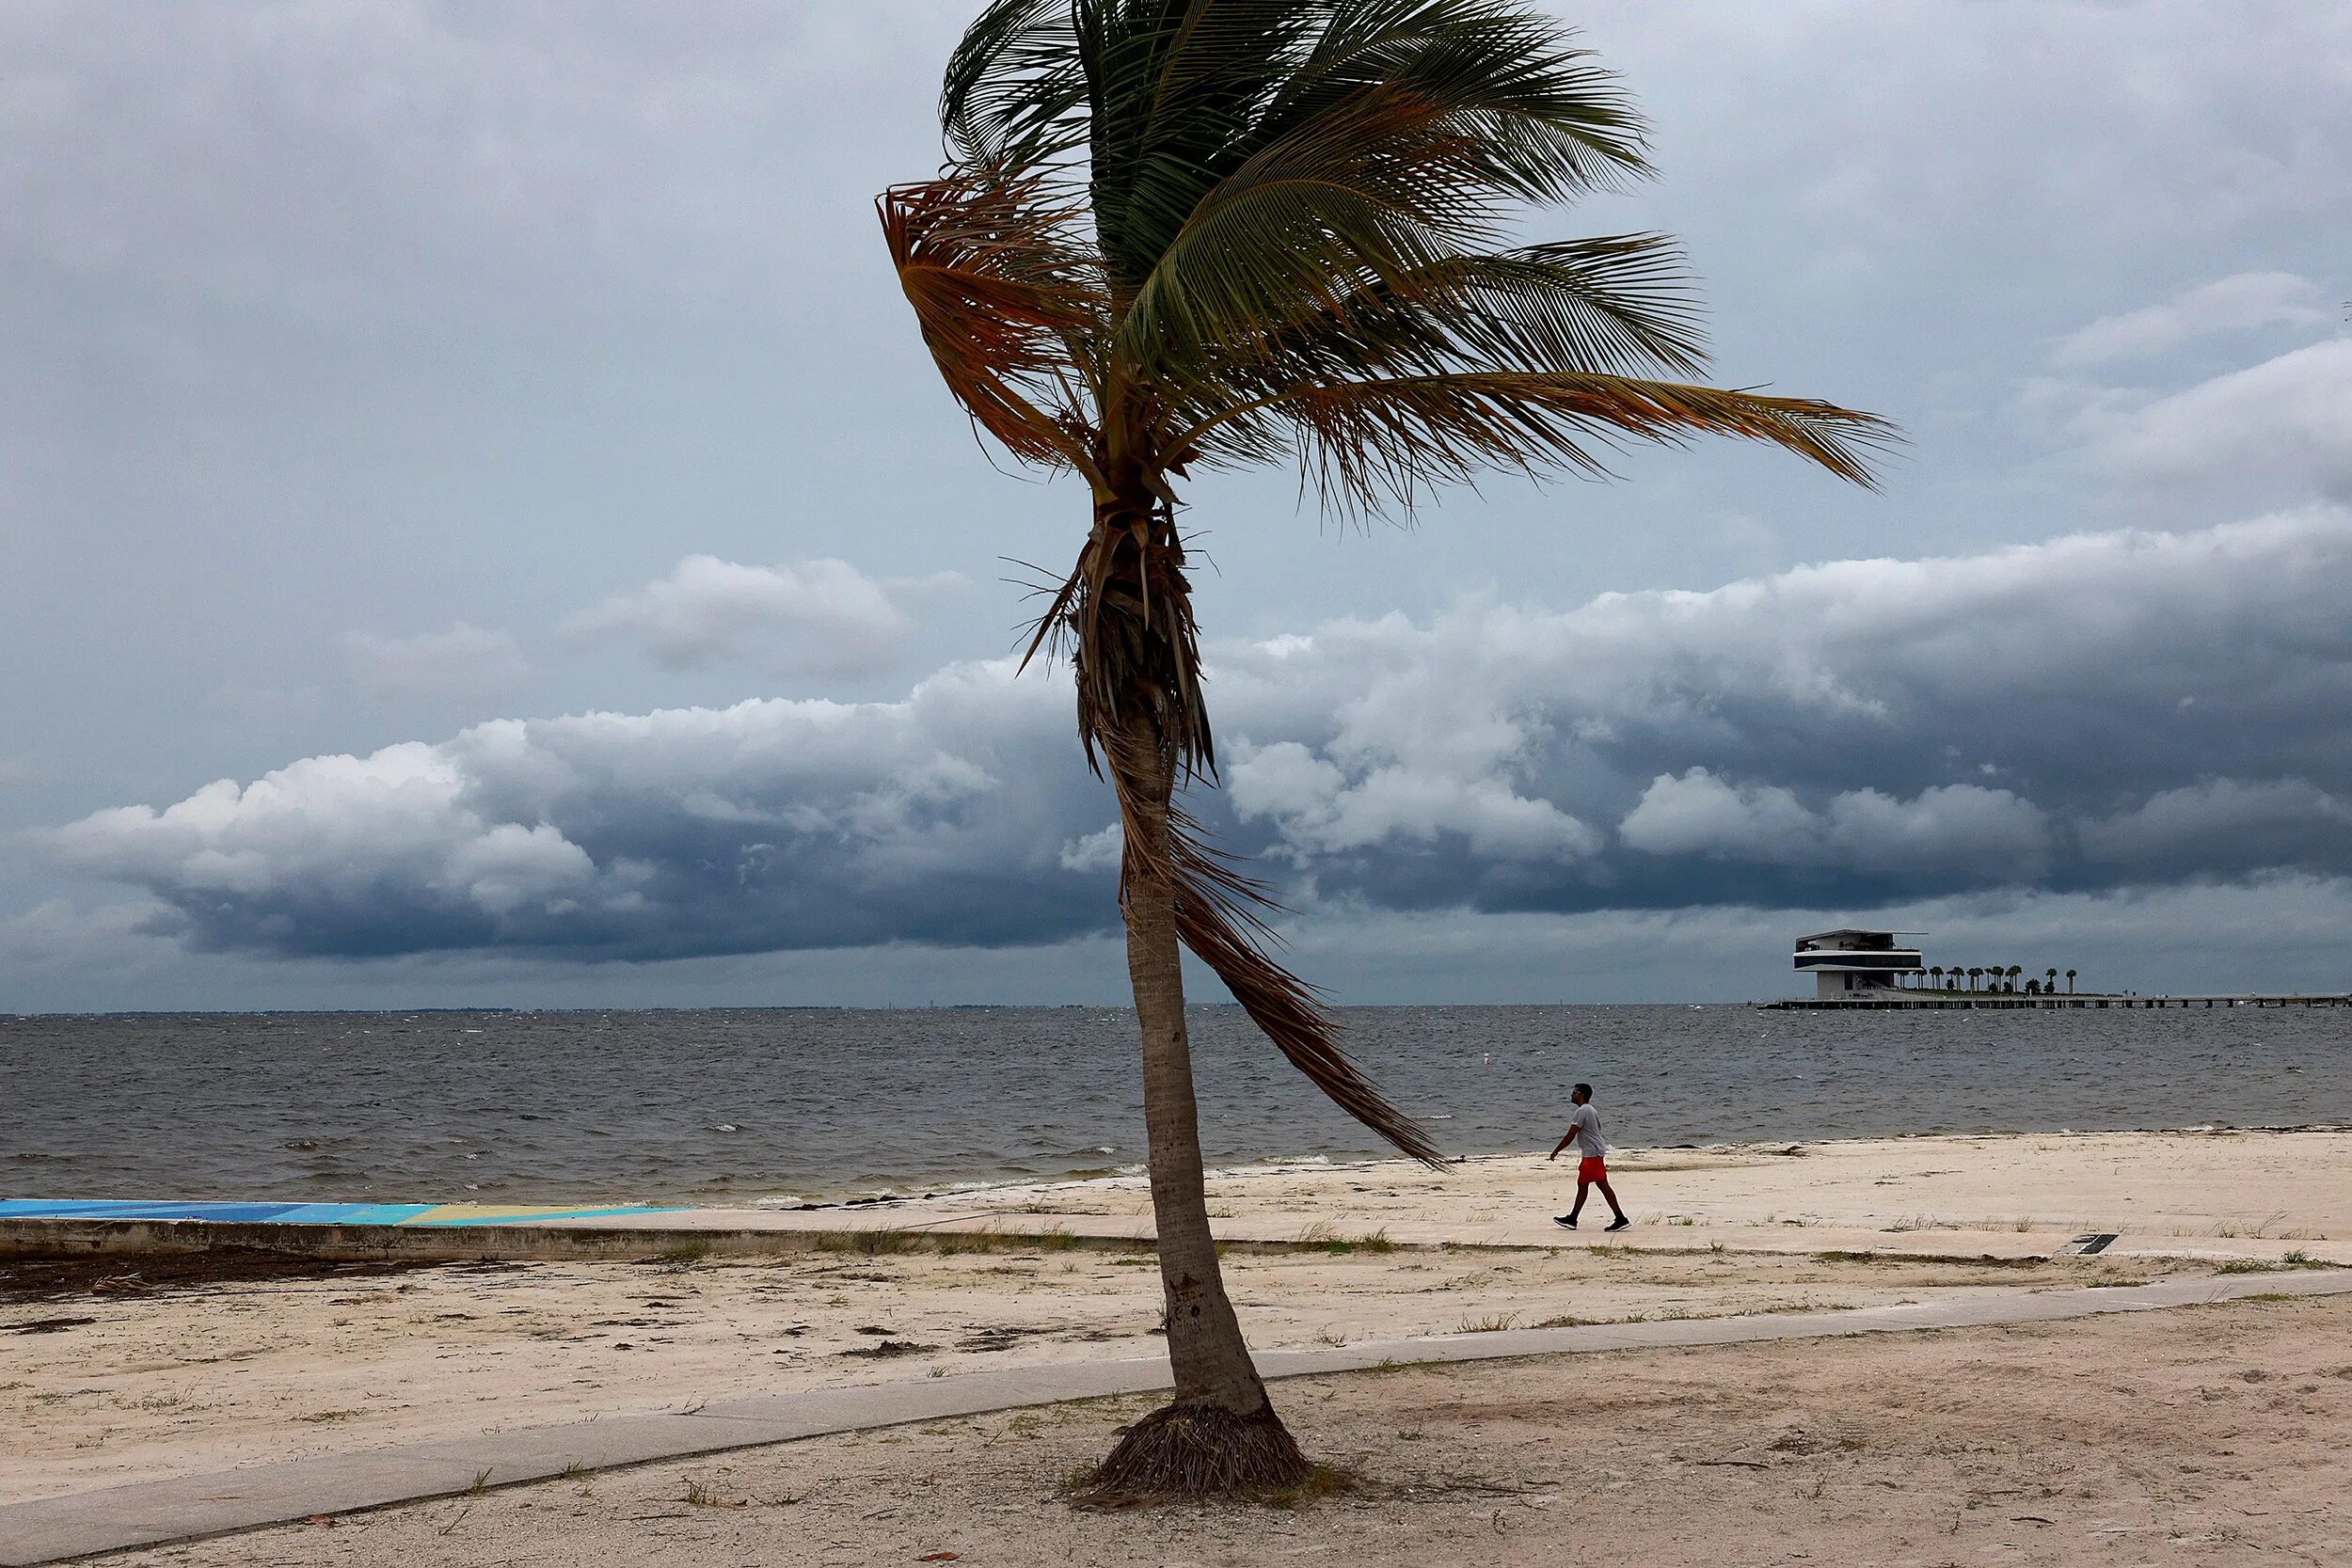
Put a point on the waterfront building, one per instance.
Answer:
(1850, 964)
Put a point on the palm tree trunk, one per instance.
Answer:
(1220, 1435)
(1205, 1350)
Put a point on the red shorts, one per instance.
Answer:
(1592, 1169)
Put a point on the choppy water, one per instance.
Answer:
(744, 1105)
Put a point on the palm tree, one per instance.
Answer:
(2014, 970)
(2049, 982)
(1181, 234)
(2070, 982)
(1937, 972)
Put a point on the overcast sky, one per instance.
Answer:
(480, 529)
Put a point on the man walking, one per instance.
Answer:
(1592, 1165)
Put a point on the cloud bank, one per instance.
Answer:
(2106, 711)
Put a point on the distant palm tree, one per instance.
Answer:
(2014, 970)
(1172, 236)
(2049, 982)
(2070, 982)
(1937, 971)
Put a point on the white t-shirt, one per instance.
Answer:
(1586, 1124)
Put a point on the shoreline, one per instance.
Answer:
(978, 1188)
(986, 1188)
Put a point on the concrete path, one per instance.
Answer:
(118, 1518)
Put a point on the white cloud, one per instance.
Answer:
(2236, 304)
(463, 658)
(1942, 827)
(1699, 813)
(1096, 852)
(2218, 822)
(812, 617)
(2288, 418)
(1949, 827)
(1319, 809)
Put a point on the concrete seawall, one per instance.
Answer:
(1895, 1001)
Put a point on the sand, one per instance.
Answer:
(2215, 1435)
(2217, 1193)
(125, 1368)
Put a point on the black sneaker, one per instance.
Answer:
(1617, 1223)
(1566, 1220)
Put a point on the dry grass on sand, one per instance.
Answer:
(2217, 1435)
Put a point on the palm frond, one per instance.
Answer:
(1216, 916)
(1344, 190)
(1551, 124)
(1373, 444)
(1364, 195)
(1615, 305)
(1015, 93)
(1176, 85)
(1008, 305)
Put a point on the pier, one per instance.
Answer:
(1890, 999)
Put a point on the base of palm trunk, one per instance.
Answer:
(1198, 1450)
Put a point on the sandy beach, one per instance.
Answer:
(2220, 1436)
(116, 1369)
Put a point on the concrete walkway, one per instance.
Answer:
(121, 1518)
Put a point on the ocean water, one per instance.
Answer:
(797, 1105)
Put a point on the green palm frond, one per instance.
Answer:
(1015, 94)
(1374, 444)
(1547, 122)
(1615, 305)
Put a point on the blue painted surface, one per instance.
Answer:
(434, 1214)
(433, 1220)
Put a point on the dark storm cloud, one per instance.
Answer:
(2112, 710)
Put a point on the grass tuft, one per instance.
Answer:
(1323, 1480)
(2298, 1259)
